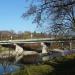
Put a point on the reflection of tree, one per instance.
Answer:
(5, 64)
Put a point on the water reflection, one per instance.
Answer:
(8, 68)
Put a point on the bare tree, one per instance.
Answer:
(55, 12)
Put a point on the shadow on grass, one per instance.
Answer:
(63, 68)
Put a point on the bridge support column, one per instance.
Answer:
(18, 52)
(44, 48)
(45, 56)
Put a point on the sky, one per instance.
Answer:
(10, 16)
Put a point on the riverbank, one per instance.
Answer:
(57, 66)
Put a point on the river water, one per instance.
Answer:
(8, 69)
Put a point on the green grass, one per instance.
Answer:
(35, 70)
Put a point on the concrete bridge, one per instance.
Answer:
(38, 40)
(19, 53)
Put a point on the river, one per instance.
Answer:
(8, 68)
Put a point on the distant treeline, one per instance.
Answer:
(8, 35)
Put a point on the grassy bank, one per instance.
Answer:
(35, 70)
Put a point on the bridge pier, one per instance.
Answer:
(18, 52)
(44, 47)
(45, 56)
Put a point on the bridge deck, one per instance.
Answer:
(35, 40)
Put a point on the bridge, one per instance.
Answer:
(39, 40)
(19, 53)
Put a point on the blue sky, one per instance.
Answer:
(10, 16)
